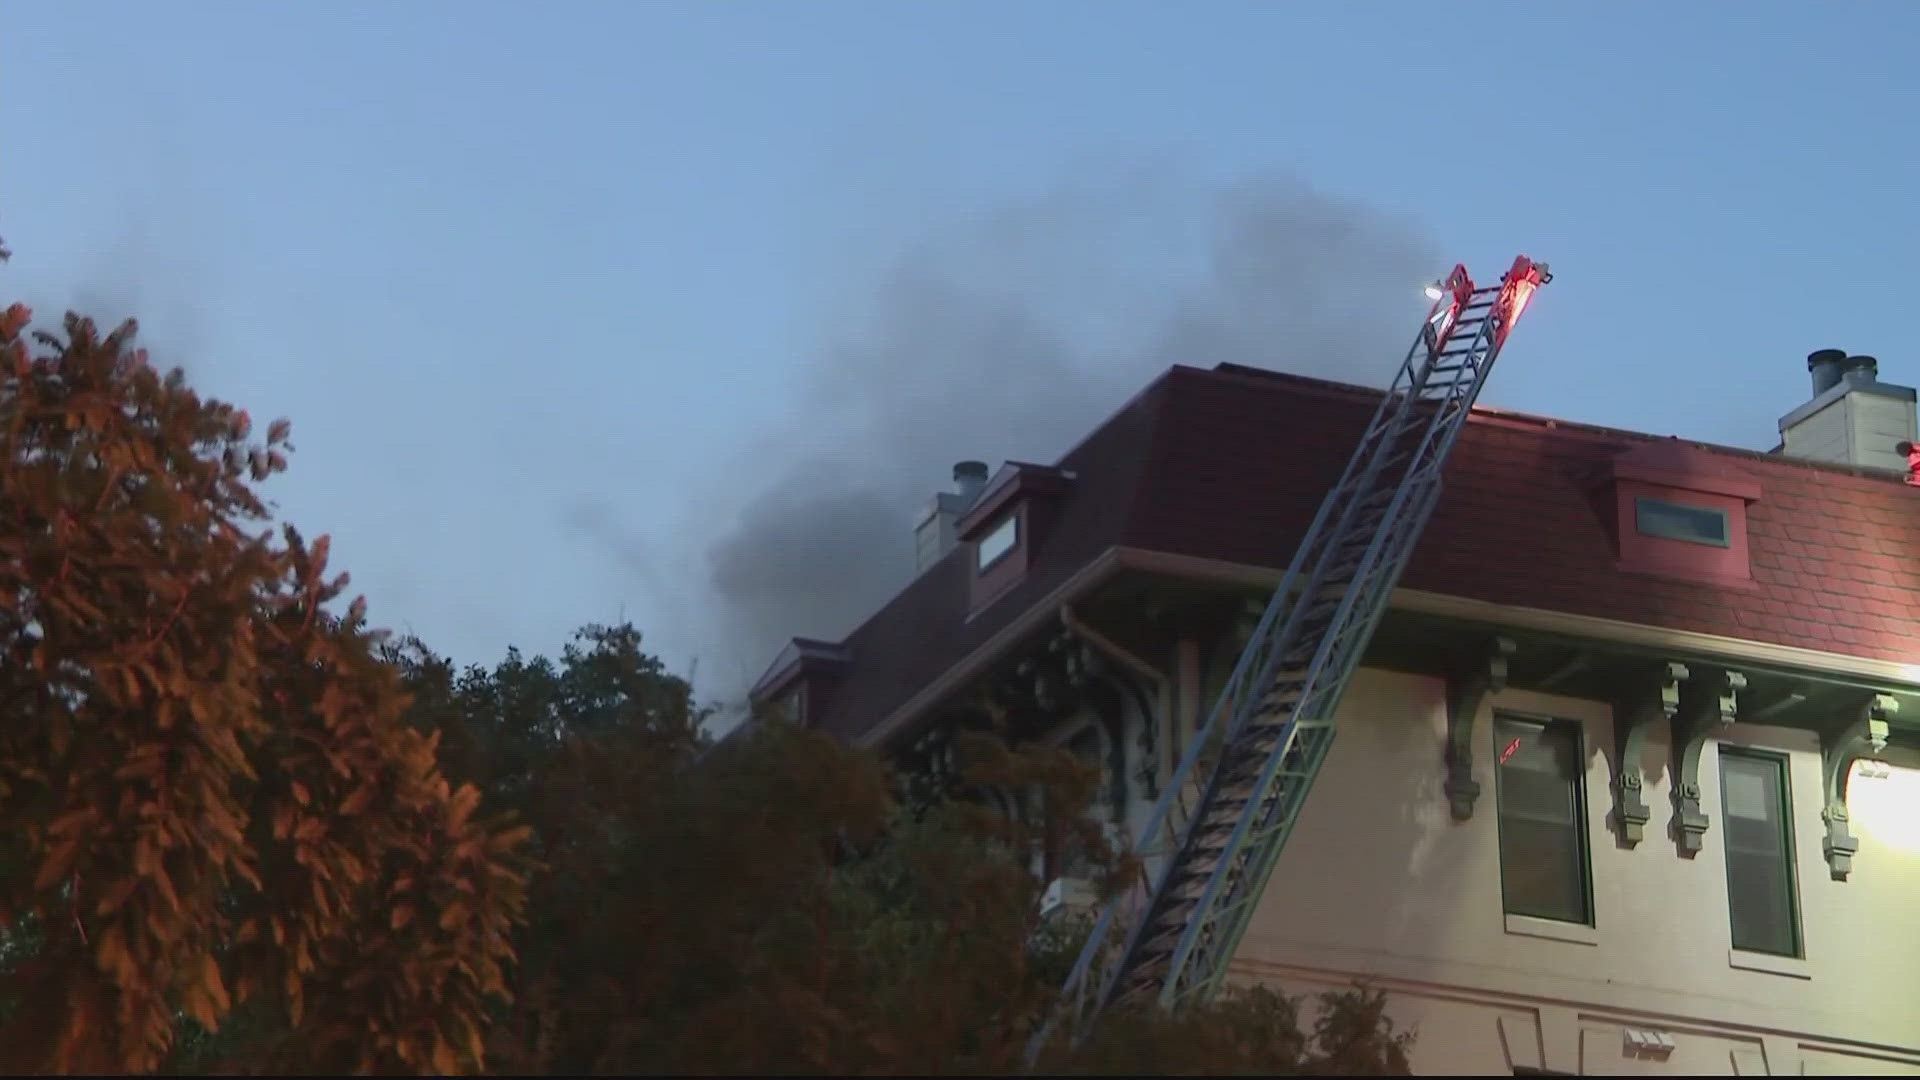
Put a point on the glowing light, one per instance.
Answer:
(1434, 291)
(1522, 292)
(1520, 282)
(1884, 803)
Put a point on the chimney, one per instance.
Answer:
(1853, 418)
(933, 534)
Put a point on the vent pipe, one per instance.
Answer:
(969, 477)
(1826, 366)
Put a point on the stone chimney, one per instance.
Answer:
(933, 534)
(1852, 418)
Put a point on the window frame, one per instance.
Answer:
(1789, 845)
(1582, 829)
(1640, 503)
(1010, 525)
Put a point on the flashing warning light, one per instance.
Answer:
(1518, 287)
(1434, 291)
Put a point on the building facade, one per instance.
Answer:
(1629, 780)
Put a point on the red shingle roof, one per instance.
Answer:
(1231, 464)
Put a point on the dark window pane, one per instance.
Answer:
(1675, 521)
(1543, 851)
(1760, 884)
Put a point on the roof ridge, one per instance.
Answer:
(1561, 426)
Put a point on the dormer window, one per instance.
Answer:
(801, 682)
(1007, 524)
(1678, 521)
(998, 543)
(1681, 512)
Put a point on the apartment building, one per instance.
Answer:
(1628, 781)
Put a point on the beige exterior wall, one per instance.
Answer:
(1380, 882)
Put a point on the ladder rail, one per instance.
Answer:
(1409, 530)
(1240, 913)
(1172, 803)
(1406, 443)
(1254, 668)
(1325, 678)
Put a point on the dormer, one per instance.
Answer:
(1681, 512)
(801, 681)
(1006, 523)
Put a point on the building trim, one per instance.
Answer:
(1339, 966)
(1590, 627)
(1793, 966)
(1876, 674)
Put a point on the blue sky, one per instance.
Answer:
(548, 290)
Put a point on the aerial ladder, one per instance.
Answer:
(1221, 823)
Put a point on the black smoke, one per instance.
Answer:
(1011, 336)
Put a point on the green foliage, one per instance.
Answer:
(773, 906)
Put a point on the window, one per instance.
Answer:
(786, 707)
(1543, 832)
(1758, 809)
(1676, 521)
(995, 545)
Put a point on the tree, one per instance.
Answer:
(777, 904)
(210, 805)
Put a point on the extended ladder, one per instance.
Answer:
(1218, 829)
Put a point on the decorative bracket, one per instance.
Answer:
(1655, 698)
(1710, 705)
(1865, 735)
(1465, 692)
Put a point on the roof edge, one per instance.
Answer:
(1535, 421)
(1096, 571)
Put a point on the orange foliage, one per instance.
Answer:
(208, 798)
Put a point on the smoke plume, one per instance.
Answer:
(1013, 337)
